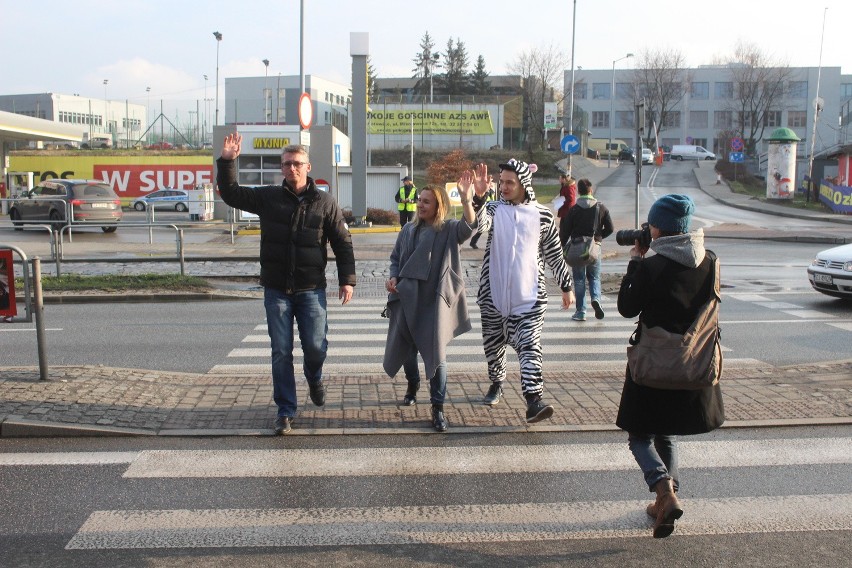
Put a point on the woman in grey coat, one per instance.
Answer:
(426, 300)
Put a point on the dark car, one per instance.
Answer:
(176, 199)
(55, 201)
(626, 155)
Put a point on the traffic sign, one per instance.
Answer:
(737, 144)
(306, 111)
(570, 144)
(336, 154)
(735, 157)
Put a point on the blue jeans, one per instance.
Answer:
(656, 456)
(437, 384)
(582, 274)
(309, 311)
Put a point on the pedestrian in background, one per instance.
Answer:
(406, 199)
(512, 294)
(588, 217)
(666, 289)
(296, 222)
(568, 191)
(426, 295)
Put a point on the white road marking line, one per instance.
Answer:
(846, 326)
(66, 458)
(475, 459)
(366, 526)
(808, 314)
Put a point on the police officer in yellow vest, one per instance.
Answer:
(406, 198)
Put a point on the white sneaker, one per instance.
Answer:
(579, 317)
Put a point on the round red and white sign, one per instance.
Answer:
(306, 111)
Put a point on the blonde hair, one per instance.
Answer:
(443, 206)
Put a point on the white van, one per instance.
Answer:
(691, 152)
(604, 148)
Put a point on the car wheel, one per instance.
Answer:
(111, 229)
(181, 208)
(707, 158)
(16, 219)
(139, 206)
(56, 220)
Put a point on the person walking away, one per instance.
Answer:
(581, 222)
(567, 190)
(512, 293)
(666, 289)
(297, 221)
(478, 202)
(426, 295)
(406, 199)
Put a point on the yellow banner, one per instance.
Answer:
(430, 122)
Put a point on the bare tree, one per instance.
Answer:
(758, 84)
(541, 70)
(661, 78)
(425, 62)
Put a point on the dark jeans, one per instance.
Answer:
(405, 217)
(309, 311)
(437, 384)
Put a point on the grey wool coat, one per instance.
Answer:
(429, 308)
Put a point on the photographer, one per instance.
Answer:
(666, 289)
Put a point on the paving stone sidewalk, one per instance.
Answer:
(95, 400)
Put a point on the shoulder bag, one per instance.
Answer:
(691, 361)
(581, 250)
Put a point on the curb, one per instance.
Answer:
(14, 427)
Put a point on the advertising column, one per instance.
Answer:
(781, 164)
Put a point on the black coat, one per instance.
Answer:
(667, 294)
(294, 233)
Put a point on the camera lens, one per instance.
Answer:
(627, 237)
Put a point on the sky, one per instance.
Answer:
(72, 47)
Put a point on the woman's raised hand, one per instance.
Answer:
(231, 146)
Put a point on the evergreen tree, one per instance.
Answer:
(372, 84)
(425, 63)
(454, 80)
(478, 80)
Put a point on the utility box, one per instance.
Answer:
(781, 164)
(201, 202)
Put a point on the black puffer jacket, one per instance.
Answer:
(293, 233)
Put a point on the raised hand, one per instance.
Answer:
(464, 184)
(232, 146)
(482, 180)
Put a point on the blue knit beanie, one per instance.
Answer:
(672, 213)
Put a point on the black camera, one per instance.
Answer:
(628, 237)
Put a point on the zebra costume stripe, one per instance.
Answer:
(521, 327)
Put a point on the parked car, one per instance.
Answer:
(176, 199)
(831, 272)
(647, 156)
(691, 152)
(626, 155)
(88, 202)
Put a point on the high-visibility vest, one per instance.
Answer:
(402, 197)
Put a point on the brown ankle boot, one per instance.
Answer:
(667, 508)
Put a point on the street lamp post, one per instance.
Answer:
(611, 108)
(206, 112)
(218, 37)
(106, 109)
(431, 64)
(266, 93)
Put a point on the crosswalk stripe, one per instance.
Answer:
(381, 337)
(453, 349)
(475, 459)
(66, 458)
(453, 366)
(365, 526)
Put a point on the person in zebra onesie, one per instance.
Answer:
(512, 298)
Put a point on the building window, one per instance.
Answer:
(624, 90)
(797, 89)
(772, 118)
(700, 142)
(846, 89)
(600, 91)
(624, 118)
(672, 119)
(724, 90)
(581, 90)
(698, 119)
(699, 90)
(797, 118)
(600, 119)
(723, 119)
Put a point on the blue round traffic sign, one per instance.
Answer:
(737, 144)
(570, 144)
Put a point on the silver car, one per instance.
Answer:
(831, 272)
(55, 201)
